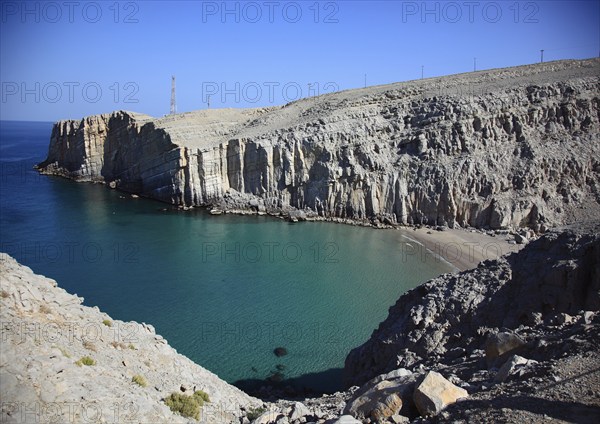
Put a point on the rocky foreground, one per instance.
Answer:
(520, 334)
(513, 340)
(501, 149)
(62, 362)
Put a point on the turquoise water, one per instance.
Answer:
(223, 290)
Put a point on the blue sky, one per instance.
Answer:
(63, 60)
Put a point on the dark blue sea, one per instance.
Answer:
(223, 290)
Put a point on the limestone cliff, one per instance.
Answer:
(515, 147)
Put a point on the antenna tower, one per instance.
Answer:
(173, 104)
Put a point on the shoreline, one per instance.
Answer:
(462, 248)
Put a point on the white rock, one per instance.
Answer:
(299, 410)
(41, 368)
(346, 419)
(511, 366)
(434, 393)
(268, 417)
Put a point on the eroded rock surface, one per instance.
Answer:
(556, 275)
(45, 334)
(508, 148)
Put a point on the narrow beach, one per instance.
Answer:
(462, 248)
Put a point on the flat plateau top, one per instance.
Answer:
(206, 128)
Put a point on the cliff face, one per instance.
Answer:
(122, 148)
(516, 147)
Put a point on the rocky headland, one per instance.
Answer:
(500, 149)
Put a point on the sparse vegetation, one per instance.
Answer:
(139, 380)
(85, 360)
(4, 294)
(199, 394)
(187, 406)
(131, 346)
(107, 322)
(254, 413)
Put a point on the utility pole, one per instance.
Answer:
(208, 101)
(542, 59)
(173, 104)
(474, 64)
(422, 67)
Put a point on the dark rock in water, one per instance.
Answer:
(254, 369)
(280, 367)
(276, 377)
(280, 351)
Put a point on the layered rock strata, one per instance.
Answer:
(507, 148)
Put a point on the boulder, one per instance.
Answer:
(398, 373)
(499, 346)
(269, 417)
(562, 318)
(520, 239)
(511, 367)
(297, 215)
(434, 393)
(387, 407)
(588, 317)
(299, 410)
(376, 398)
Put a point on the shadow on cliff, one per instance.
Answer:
(306, 385)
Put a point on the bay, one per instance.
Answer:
(223, 290)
